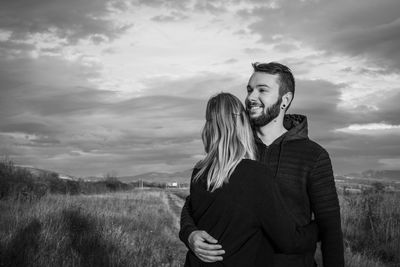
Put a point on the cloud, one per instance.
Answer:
(157, 106)
(254, 51)
(202, 85)
(82, 129)
(231, 61)
(359, 28)
(388, 108)
(53, 117)
(319, 100)
(227, 62)
(91, 129)
(174, 16)
(352, 137)
(197, 6)
(390, 163)
(22, 139)
(78, 100)
(175, 5)
(45, 85)
(285, 47)
(213, 7)
(57, 56)
(374, 72)
(32, 128)
(15, 47)
(71, 20)
(377, 108)
(371, 129)
(133, 135)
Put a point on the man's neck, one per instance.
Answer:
(271, 131)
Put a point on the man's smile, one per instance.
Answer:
(255, 108)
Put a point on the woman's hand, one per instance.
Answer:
(205, 247)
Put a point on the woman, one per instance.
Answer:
(235, 199)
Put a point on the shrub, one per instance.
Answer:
(371, 224)
(19, 183)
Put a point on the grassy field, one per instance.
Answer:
(371, 228)
(140, 228)
(371, 225)
(137, 228)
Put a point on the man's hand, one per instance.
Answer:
(205, 247)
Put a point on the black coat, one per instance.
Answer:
(238, 213)
(303, 172)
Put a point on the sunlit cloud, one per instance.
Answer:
(371, 128)
(390, 163)
(92, 86)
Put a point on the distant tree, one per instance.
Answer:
(111, 181)
(111, 175)
(73, 187)
(378, 187)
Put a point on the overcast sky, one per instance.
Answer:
(93, 86)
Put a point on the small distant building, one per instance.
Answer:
(172, 185)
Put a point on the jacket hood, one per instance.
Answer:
(296, 125)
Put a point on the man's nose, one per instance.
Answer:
(253, 95)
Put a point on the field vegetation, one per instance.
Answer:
(370, 224)
(136, 228)
(21, 184)
(109, 223)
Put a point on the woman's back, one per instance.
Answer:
(240, 211)
(228, 215)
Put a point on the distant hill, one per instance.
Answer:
(382, 174)
(43, 172)
(374, 175)
(184, 176)
(28, 183)
(164, 177)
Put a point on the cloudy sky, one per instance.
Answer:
(93, 86)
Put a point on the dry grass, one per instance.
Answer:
(182, 193)
(122, 229)
(371, 225)
(371, 228)
(139, 228)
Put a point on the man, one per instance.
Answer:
(302, 168)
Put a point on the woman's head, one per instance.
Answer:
(227, 139)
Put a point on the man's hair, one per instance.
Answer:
(286, 79)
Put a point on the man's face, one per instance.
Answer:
(263, 100)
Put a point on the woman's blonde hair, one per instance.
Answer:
(227, 139)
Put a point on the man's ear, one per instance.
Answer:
(286, 100)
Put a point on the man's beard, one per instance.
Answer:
(267, 116)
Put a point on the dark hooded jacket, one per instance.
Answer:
(303, 172)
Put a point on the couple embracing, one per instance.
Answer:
(264, 194)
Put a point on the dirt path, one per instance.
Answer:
(175, 203)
